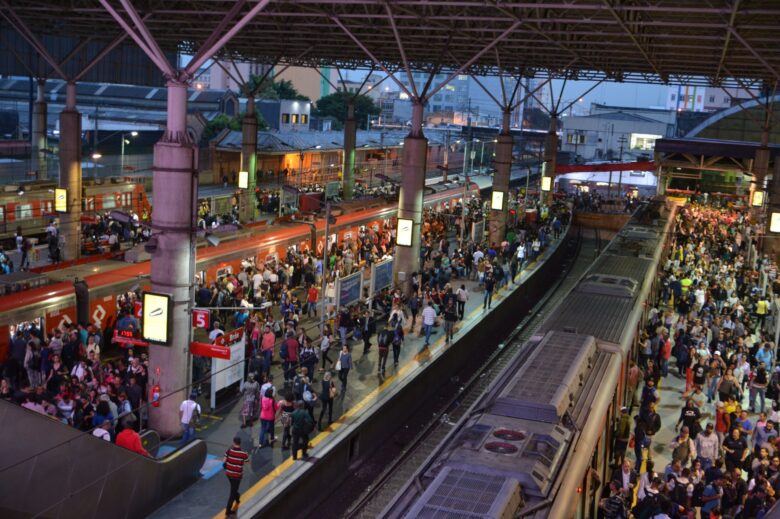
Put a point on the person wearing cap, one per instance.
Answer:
(189, 412)
(707, 446)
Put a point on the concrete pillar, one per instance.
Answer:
(501, 180)
(38, 131)
(248, 202)
(175, 188)
(350, 137)
(660, 184)
(551, 156)
(70, 174)
(410, 202)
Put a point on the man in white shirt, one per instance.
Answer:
(428, 318)
(189, 413)
(216, 332)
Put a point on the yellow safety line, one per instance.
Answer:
(425, 354)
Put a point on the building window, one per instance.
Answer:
(304, 119)
(285, 118)
(726, 99)
(674, 96)
(575, 138)
(295, 118)
(712, 99)
(643, 141)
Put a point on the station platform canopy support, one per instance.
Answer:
(70, 155)
(175, 187)
(410, 203)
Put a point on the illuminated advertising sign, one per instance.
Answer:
(61, 200)
(546, 183)
(404, 234)
(156, 317)
(758, 199)
(774, 223)
(497, 203)
(243, 179)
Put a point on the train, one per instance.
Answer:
(538, 443)
(30, 205)
(56, 302)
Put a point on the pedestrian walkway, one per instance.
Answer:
(207, 497)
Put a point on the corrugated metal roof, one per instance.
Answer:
(622, 266)
(601, 316)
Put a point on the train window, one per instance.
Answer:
(221, 273)
(23, 211)
(2, 213)
(109, 201)
(46, 206)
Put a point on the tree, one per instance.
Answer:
(270, 89)
(222, 121)
(335, 105)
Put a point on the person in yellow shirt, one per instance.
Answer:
(762, 309)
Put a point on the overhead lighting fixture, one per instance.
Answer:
(97, 156)
(20, 192)
(134, 134)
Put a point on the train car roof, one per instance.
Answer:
(601, 315)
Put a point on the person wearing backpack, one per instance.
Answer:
(383, 341)
(302, 426)
(189, 414)
(650, 505)
(683, 447)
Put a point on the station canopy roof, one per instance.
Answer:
(663, 41)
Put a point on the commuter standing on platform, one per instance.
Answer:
(490, 283)
(189, 413)
(463, 295)
(233, 463)
(383, 341)
(302, 426)
(343, 365)
(428, 319)
(450, 317)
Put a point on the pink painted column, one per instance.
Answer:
(38, 131)
(410, 202)
(175, 188)
(70, 174)
(550, 158)
(248, 209)
(501, 180)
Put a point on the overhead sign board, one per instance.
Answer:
(156, 318)
(61, 200)
(215, 351)
(403, 235)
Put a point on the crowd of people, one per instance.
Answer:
(712, 337)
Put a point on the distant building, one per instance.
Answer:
(309, 82)
(705, 99)
(609, 132)
(285, 115)
(215, 78)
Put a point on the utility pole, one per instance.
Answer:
(446, 166)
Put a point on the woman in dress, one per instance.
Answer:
(251, 394)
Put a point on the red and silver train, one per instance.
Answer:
(52, 304)
(539, 442)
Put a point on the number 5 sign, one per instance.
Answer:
(200, 318)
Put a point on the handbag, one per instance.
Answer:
(338, 363)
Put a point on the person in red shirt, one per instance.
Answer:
(233, 462)
(311, 299)
(131, 440)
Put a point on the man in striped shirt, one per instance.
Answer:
(234, 460)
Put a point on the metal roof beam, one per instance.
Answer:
(754, 52)
(633, 37)
(17, 23)
(404, 59)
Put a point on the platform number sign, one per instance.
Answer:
(200, 319)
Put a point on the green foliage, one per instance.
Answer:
(270, 89)
(222, 121)
(335, 105)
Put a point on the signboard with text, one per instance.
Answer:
(348, 291)
(201, 318)
(227, 370)
(381, 276)
(204, 349)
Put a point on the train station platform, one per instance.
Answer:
(271, 470)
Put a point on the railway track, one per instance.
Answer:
(392, 477)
